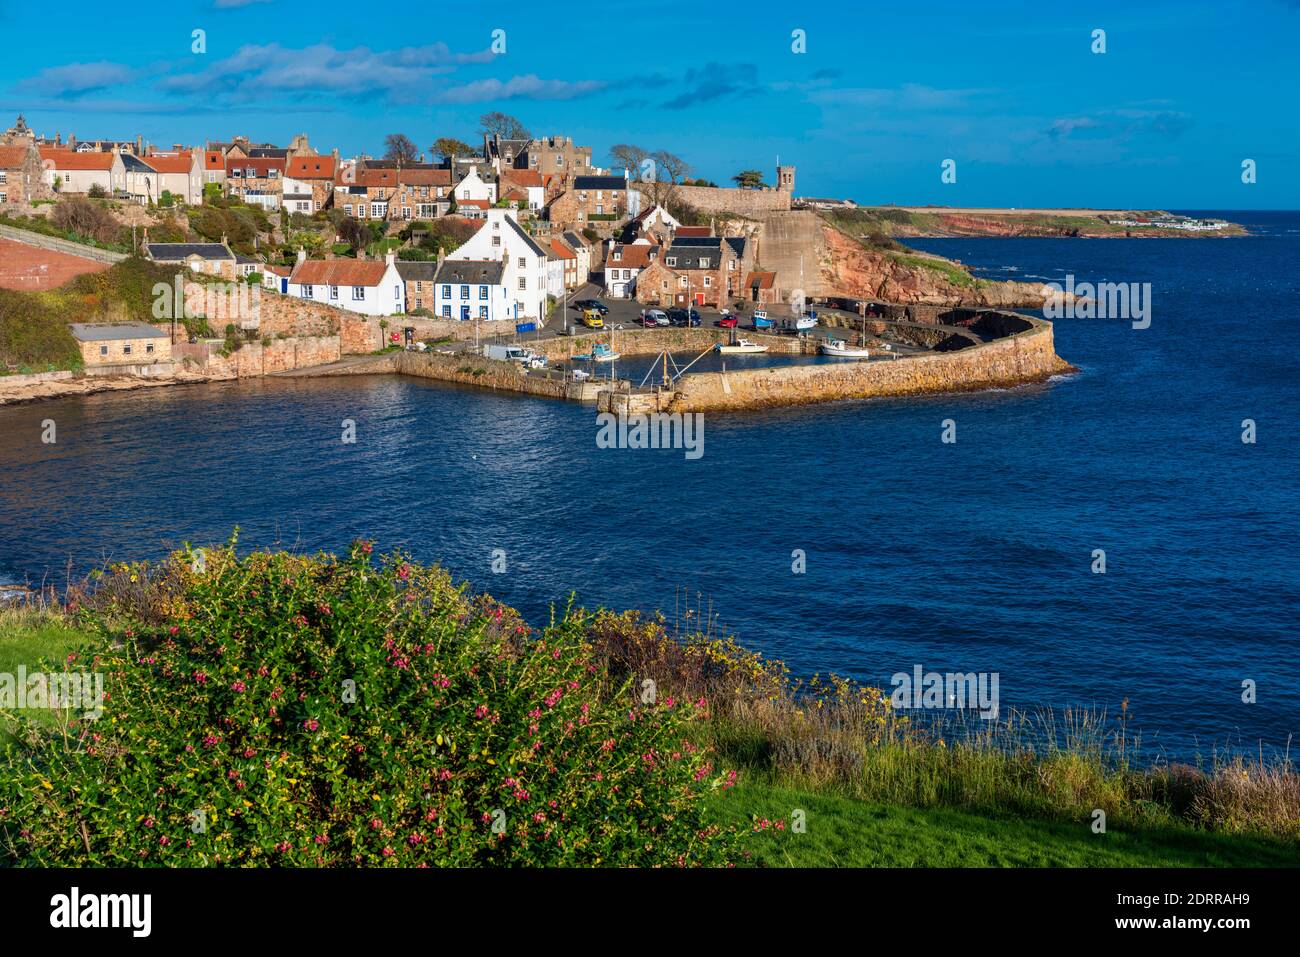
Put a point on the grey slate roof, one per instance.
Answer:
(537, 250)
(135, 165)
(105, 331)
(174, 252)
(573, 239)
(470, 271)
(599, 182)
(687, 248)
(411, 271)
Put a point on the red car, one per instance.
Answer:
(728, 322)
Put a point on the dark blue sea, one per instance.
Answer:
(973, 556)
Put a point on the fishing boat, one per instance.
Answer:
(839, 349)
(578, 375)
(804, 323)
(761, 321)
(741, 346)
(599, 353)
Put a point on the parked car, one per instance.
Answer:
(728, 322)
(596, 304)
(683, 317)
(592, 319)
(653, 317)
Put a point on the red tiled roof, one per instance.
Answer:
(175, 163)
(13, 157)
(426, 177)
(522, 177)
(374, 177)
(311, 167)
(477, 203)
(763, 280)
(212, 160)
(634, 256)
(339, 272)
(561, 250)
(72, 160)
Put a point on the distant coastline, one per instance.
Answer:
(903, 222)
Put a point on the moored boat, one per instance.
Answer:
(599, 353)
(839, 349)
(741, 346)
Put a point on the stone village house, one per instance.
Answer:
(594, 199)
(699, 270)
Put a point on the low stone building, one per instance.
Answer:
(111, 343)
(215, 259)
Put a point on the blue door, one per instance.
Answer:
(464, 312)
(284, 285)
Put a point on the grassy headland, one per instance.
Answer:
(802, 773)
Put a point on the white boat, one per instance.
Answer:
(578, 375)
(840, 349)
(805, 322)
(743, 346)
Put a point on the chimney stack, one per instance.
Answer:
(302, 254)
(390, 258)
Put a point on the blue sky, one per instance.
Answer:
(1012, 92)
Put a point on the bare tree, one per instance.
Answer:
(628, 156)
(400, 148)
(670, 170)
(504, 125)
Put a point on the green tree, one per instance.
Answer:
(749, 179)
(448, 147)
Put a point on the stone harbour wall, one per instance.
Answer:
(1025, 357)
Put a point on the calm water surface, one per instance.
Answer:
(974, 556)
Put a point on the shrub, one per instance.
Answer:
(290, 710)
(80, 216)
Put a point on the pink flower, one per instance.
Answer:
(238, 686)
(311, 724)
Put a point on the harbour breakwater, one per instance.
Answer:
(1021, 358)
(1024, 353)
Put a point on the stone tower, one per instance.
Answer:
(785, 179)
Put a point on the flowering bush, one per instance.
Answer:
(310, 711)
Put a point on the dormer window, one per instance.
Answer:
(672, 260)
(618, 254)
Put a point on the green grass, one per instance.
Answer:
(28, 639)
(846, 832)
(950, 271)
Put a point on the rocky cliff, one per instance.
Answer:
(851, 268)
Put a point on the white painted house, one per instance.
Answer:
(368, 286)
(524, 271)
(472, 187)
(623, 264)
(471, 289)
